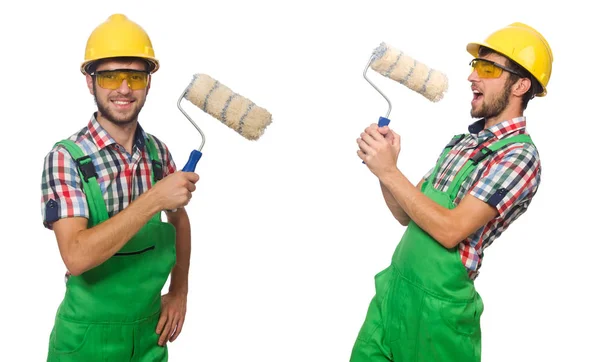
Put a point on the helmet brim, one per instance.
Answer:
(153, 63)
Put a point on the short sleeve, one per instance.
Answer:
(511, 179)
(61, 189)
(428, 173)
(169, 162)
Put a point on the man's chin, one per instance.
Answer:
(478, 113)
(122, 117)
(121, 121)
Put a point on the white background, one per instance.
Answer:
(288, 231)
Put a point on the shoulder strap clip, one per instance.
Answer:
(455, 140)
(158, 170)
(483, 153)
(86, 166)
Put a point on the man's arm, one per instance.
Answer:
(174, 303)
(179, 275)
(397, 211)
(82, 249)
(448, 226)
(511, 177)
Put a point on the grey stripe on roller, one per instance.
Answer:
(232, 109)
(405, 70)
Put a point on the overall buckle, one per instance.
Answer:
(157, 169)
(455, 140)
(86, 166)
(483, 153)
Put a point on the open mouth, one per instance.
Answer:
(477, 95)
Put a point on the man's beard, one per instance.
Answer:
(114, 117)
(495, 107)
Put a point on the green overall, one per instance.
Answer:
(425, 306)
(110, 312)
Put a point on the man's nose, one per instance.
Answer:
(124, 88)
(473, 76)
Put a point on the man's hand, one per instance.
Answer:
(175, 190)
(171, 318)
(379, 148)
(388, 134)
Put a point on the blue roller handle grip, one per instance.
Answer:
(190, 166)
(382, 122)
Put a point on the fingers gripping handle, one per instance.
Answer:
(382, 122)
(190, 166)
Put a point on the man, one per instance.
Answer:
(426, 307)
(103, 190)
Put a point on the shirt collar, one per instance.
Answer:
(499, 130)
(102, 139)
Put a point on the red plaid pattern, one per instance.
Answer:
(507, 180)
(122, 176)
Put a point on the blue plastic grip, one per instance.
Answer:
(382, 122)
(190, 166)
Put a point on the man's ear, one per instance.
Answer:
(148, 86)
(521, 86)
(90, 83)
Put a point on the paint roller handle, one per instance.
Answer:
(382, 122)
(190, 166)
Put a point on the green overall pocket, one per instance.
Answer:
(462, 317)
(69, 340)
(374, 323)
(450, 330)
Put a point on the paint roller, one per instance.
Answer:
(400, 67)
(232, 109)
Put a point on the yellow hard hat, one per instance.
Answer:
(525, 46)
(119, 37)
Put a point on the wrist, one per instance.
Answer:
(148, 201)
(181, 291)
(388, 176)
(179, 279)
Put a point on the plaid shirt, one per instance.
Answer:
(507, 180)
(122, 177)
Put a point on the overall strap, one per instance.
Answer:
(455, 139)
(157, 169)
(87, 172)
(483, 153)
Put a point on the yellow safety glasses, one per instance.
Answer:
(489, 69)
(112, 79)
